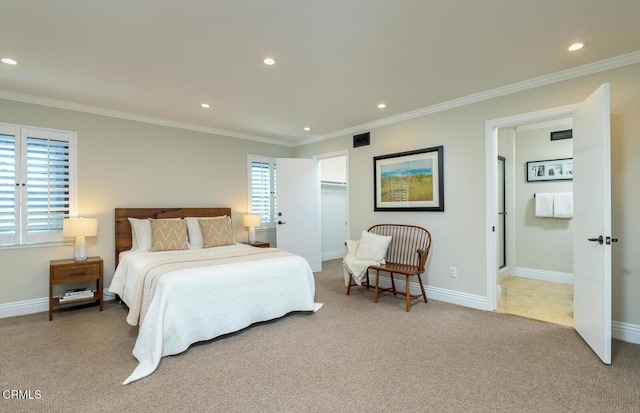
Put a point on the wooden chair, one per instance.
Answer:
(407, 255)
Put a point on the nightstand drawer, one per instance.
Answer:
(77, 272)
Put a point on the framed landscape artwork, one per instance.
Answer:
(409, 181)
(551, 170)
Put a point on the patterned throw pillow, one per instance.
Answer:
(216, 232)
(168, 234)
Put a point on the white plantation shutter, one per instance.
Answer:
(41, 173)
(262, 189)
(8, 207)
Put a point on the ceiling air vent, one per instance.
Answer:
(361, 140)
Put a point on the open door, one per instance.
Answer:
(592, 222)
(298, 209)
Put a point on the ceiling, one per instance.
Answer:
(335, 59)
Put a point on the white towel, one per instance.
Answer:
(563, 205)
(353, 266)
(544, 205)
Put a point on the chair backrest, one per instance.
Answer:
(406, 241)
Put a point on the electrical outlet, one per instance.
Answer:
(453, 272)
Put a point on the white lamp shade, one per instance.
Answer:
(251, 220)
(80, 227)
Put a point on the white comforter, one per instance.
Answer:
(200, 303)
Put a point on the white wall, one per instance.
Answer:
(334, 220)
(333, 195)
(552, 237)
(333, 169)
(124, 163)
(459, 232)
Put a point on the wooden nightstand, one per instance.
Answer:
(69, 271)
(258, 244)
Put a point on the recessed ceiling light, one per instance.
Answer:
(269, 61)
(307, 128)
(381, 106)
(576, 46)
(205, 105)
(9, 61)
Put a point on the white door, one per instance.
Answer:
(298, 209)
(592, 223)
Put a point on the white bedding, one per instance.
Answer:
(200, 303)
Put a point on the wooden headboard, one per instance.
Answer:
(123, 227)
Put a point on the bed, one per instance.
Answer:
(178, 297)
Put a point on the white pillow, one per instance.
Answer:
(140, 234)
(372, 246)
(195, 233)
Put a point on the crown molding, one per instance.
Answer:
(591, 68)
(584, 70)
(95, 110)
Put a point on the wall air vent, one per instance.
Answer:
(563, 134)
(361, 140)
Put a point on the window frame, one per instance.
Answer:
(271, 222)
(21, 236)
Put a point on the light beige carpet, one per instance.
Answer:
(351, 356)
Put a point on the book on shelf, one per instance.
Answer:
(67, 298)
(76, 294)
(77, 291)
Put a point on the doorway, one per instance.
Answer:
(334, 203)
(534, 254)
(493, 129)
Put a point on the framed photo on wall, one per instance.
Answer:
(550, 170)
(409, 181)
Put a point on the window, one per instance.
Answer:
(262, 189)
(37, 184)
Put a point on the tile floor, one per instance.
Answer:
(540, 300)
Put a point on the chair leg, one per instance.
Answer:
(424, 295)
(349, 284)
(408, 292)
(375, 291)
(393, 284)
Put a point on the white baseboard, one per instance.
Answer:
(332, 255)
(37, 305)
(625, 332)
(440, 294)
(544, 275)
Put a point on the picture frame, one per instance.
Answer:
(550, 170)
(409, 181)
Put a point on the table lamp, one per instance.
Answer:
(80, 228)
(252, 221)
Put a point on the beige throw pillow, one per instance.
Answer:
(168, 234)
(372, 246)
(216, 232)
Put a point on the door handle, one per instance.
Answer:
(281, 222)
(609, 240)
(599, 240)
